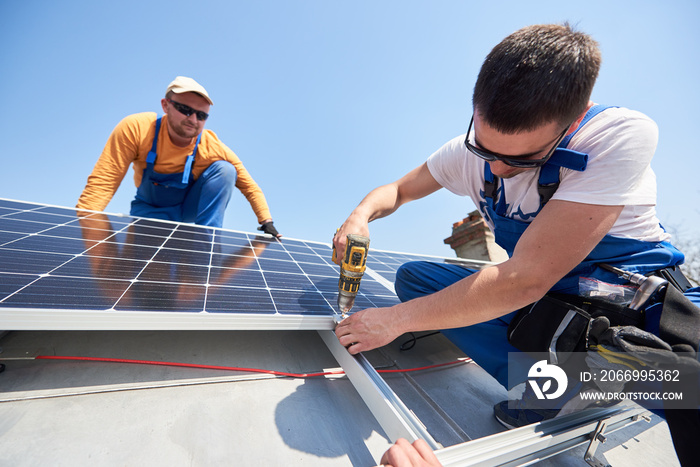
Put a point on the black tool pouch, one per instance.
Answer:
(559, 324)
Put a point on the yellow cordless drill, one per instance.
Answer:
(352, 267)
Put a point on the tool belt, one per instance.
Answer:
(559, 323)
(608, 334)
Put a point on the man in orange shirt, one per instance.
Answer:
(182, 172)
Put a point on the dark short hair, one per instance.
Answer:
(537, 75)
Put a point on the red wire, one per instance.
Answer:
(233, 368)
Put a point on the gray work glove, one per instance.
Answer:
(269, 228)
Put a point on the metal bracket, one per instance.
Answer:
(597, 438)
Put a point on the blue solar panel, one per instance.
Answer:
(99, 265)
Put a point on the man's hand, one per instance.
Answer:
(405, 454)
(269, 228)
(353, 225)
(368, 329)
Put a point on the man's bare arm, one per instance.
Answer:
(384, 200)
(561, 236)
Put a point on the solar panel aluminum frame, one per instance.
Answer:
(37, 319)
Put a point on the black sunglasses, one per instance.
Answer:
(513, 161)
(186, 110)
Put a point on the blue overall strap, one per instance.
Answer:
(490, 183)
(190, 160)
(548, 180)
(151, 158)
(491, 192)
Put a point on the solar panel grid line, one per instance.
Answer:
(209, 269)
(60, 265)
(269, 291)
(47, 274)
(329, 262)
(42, 275)
(304, 273)
(309, 278)
(381, 279)
(181, 280)
(107, 239)
(135, 279)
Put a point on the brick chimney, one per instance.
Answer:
(472, 239)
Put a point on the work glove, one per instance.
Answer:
(269, 228)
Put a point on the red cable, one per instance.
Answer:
(232, 368)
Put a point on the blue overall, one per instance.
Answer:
(487, 342)
(178, 197)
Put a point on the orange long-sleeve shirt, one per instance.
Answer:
(129, 144)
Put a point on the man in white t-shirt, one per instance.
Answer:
(564, 184)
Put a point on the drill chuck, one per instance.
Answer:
(345, 301)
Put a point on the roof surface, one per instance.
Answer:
(98, 413)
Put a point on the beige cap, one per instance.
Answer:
(184, 84)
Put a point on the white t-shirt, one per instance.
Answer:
(620, 144)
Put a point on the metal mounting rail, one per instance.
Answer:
(395, 418)
(522, 446)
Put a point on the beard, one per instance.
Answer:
(185, 131)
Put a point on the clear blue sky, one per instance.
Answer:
(322, 100)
